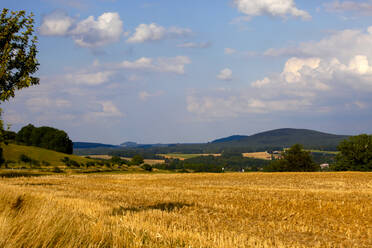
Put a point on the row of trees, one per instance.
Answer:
(355, 154)
(45, 137)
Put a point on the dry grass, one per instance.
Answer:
(183, 156)
(258, 155)
(188, 210)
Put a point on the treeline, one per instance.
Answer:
(214, 164)
(44, 137)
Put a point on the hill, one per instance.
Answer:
(87, 145)
(282, 138)
(12, 152)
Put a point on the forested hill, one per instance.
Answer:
(88, 145)
(284, 138)
(266, 141)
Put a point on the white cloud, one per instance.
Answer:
(331, 75)
(93, 33)
(195, 45)
(90, 33)
(230, 51)
(225, 74)
(342, 44)
(90, 78)
(162, 64)
(358, 7)
(108, 110)
(43, 103)
(280, 8)
(57, 23)
(155, 32)
(144, 95)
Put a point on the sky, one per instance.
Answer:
(185, 71)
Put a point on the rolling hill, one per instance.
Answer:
(284, 137)
(12, 152)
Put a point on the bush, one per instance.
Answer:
(57, 170)
(137, 160)
(24, 158)
(147, 167)
(45, 163)
(294, 159)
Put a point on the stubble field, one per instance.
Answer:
(188, 210)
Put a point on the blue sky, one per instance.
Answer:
(192, 71)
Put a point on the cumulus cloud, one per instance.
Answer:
(334, 74)
(155, 32)
(57, 23)
(195, 45)
(225, 74)
(90, 32)
(90, 78)
(281, 8)
(162, 64)
(107, 110)
(343, 44)
(357, 7)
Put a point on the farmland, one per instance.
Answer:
(188, 210)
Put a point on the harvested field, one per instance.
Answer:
(258, 155)
(188, 210)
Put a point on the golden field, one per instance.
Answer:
(188, 210)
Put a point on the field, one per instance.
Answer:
(258, 155)
(182, 156)
(188, 210)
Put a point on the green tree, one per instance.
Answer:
(17, 57)
(17, 53)
(137, 160)
(294, 159)
(355, 154)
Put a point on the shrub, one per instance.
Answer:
(57, 170)
(147, 167)
(24, 158)
(137, 160)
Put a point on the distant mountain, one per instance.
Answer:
(284, 138)
(88, 145)
(129, 144)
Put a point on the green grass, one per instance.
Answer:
(326, 152)
(13, 151)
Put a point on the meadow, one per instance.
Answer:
(187, 210)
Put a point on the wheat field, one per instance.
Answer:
(188, 210)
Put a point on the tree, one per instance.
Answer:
(355, 154)
(294, 159)
(17, 53)
(17, 57)
(137, 160)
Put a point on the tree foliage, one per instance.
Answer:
(355, 154)
(294, 159)
(45, 137)
(17, 52)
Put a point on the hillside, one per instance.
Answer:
(88, 145)
(12, 152)
(284, 138)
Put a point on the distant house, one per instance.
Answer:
(324, 166)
